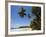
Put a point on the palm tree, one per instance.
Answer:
(36, 24)
(22, 12)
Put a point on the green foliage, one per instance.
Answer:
(36, 24)
(22, 12)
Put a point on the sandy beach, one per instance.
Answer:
(22, 29)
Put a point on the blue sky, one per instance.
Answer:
(16, 20)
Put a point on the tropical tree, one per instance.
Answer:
(36, 24)
(22, 12)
